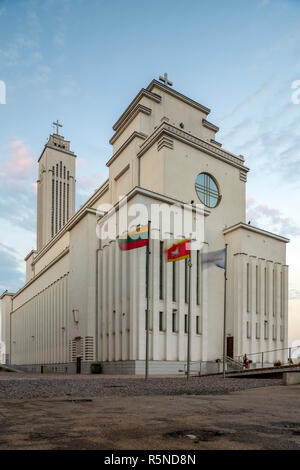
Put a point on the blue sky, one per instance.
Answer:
(82, 61)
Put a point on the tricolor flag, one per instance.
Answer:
(218, 258)
(178, 251)
(135, 239)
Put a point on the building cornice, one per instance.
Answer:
(139, 108)
(134, 135)
(58, 149)
(137, 190)
(259, 231)
(8, 294)
(210, 126)
(178, 95)
(176, 133)
(134, 102)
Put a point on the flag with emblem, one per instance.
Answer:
(135, 239)
(178, 251)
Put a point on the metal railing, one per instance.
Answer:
(267, 358)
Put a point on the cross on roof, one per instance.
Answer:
(57, 124)
(165, 79)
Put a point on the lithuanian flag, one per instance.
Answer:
(135, 239)
(178, 251)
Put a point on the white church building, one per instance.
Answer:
(84, 300)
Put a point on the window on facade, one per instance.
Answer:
(161, 272)
(198, 278)
(174, 321)
(281, 333)
(186, 324)
(274, 293)
(257, 289)
(266, 291)
(274, 332)
(174, 281)
(161, 321)
(207, 190)
(198, 332)
(248, 326)
(257, 331)
(281, 295)
(266, 330)
(248, 287)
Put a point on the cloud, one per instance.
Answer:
(271, 218)
(17, 191)
(11, 277)
(19, 165)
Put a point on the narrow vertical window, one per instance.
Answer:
(266, 292)
(257, 331)
(161, 321)
(248, 287)
(174, 321)
(68, 202)
(281, 295)
(274, 293)
(197, 324)
(161, 271)
(56, 206)
(64, 172)
(64, 204)
(60, 169)
(274, 332)
(185, 323)
(60, 208)
(248, 330)
(174, 281)
(257, 289)
(57, 169)
(266, 330)
(198, 279)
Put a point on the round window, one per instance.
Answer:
(207, 190)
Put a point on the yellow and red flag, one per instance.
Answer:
(178, 251)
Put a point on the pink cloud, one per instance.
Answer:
(19, 165)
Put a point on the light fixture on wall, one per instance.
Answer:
(75, 315)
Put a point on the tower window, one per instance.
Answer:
(207, 190)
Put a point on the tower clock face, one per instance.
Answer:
(207, 190)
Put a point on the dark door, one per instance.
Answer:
(78, 365)
(230, 346)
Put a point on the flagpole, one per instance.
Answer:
(147, 297)
(189, 316)
(225, 296)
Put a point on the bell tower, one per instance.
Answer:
(55, 187)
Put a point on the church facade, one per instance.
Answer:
(85, 299)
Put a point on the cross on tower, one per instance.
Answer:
(57, 124)
(165, 79)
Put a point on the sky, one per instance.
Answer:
(83, 61)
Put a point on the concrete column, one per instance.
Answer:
(104, 329)
(204, 307)
(117, 306)
(141, 302)
(154, 291)
(253, 306)
(124, 307)
(110, 277)
(133, 305)
(168, 306)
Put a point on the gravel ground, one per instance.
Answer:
(19, 386)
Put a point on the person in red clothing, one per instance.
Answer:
(245, 361)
